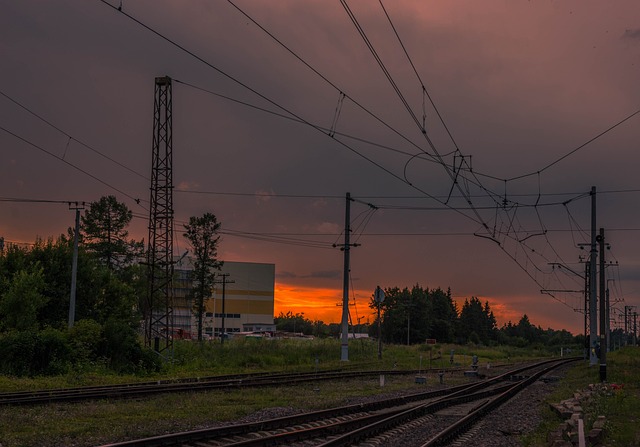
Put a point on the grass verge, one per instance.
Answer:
(620, 404)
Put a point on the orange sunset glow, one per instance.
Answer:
(324, 304)
(466, 146)
(317, 303)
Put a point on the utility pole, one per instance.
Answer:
(627, 326)
(224, 283)
(74, 265)
(609, 347)
(587, 293)
(603, 312)
(344, 346)
(379, 298)
(593, 299)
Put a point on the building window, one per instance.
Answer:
(220, 315)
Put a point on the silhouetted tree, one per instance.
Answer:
(202, 233)
(474, 317)
(104, 232)
(296, 323)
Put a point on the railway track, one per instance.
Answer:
(132, 390)
(373, 423)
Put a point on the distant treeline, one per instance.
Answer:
(410, 316)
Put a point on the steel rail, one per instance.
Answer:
(459, 393)
(456, 429)
(150, 388)
(503, 393)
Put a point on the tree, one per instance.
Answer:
(104, 232)
(202, 233)
(474, 317)
(296, 323)
(19, 306)
(445, 315)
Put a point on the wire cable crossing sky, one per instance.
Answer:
(442, 120)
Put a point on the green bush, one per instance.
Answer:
(123, 352)
(35, 353)
(16, 352)
(84, 338)
(52, 353)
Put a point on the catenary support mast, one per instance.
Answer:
(344, 346)
(159, 306)
(603, 311)
(593, 282)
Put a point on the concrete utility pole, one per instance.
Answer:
(625, 323)
(627, 326)
(608, 305)
(593, 299)
(379, 298)
(74, 265)
(344, 346)
(224, 283)
(587, 294)
(603, 312)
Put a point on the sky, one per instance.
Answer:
(468, 134)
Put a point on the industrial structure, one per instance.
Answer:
(158, 308)
(242, 300)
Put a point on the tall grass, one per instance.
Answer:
(247, 355)
(290, 355)
(619, 403)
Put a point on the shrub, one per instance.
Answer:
(52, 353)
(124, 354)
(84, 339)
(16, 352)
(35, 353)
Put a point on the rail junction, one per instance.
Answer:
(440, 417)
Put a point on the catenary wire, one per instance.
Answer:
(40, 148)
(71, 137)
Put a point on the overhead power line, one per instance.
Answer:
(270, 101)
(40, 148)
(504, 227)
(71, 137)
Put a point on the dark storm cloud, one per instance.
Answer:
(519, 84)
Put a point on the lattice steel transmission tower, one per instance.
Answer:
(159, 305)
